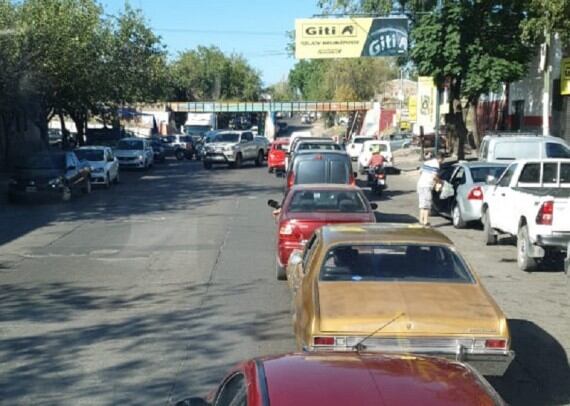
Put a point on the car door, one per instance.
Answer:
(501, 204)
(445, 173)
(249, 145)
(72, 171)
(304, 284)
(458, 181)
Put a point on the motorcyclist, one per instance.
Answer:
(376, 161)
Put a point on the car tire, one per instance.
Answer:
(525, 262)
(87, 188)
(270, 169)
(259, 158)
(179, 155)
(457, 218)
(489, 236)
(108, 181)
(237, 162)
(207, 165)
(66, 194)
(117, 179)
(281, 272)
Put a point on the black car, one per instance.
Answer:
(54, 174)
(159, 149)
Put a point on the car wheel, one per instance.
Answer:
(259, 159)
(207, 165)
(524, 260)
(66, 194)
(87, 188)
(489, 235)
(108, 181)
(269, 169)
(179, 155)
(237, 162)
(281, 272)
(117, 180)
(456, 217)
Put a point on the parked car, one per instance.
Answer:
(308, 207)
(429, 141)
(310, 144)
(310, 167)
(400, 140)
(179, 145)
(507, 147)
(104, 165)
(354, 148)
(368, 148)
(468, 180)
(158, 149)
(134, 153)
(394, 289)
(277, 153)
(531, 201)
(334, 379)
(306, 119)
(53, 174)
(234, 147)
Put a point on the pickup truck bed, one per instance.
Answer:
(553, 192)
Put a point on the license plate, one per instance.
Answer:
(381, 181)
(31, 189)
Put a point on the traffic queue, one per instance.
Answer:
(382, 313)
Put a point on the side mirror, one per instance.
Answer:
(355, 175)
(491, 180)
(195, 401)
(374, 206)
(274, 204)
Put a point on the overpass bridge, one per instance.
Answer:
(268, 107)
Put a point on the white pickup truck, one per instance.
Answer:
(234, 147)
(531, 200)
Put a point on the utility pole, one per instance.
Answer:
(546, 91)
(437, 98)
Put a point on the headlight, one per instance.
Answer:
(141, 157)
(97, 170)
(55, 182)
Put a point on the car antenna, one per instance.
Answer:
(360, 345)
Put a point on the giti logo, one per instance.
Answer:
(329, 30)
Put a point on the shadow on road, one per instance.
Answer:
(540, 373)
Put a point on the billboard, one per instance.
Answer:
(425, 104)
(322, 38)
(565, 77)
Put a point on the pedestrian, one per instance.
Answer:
(426, 184)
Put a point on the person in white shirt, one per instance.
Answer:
(426, 183)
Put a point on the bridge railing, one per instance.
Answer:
(260, 107)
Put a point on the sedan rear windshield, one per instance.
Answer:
(131, 144)
(280, 147)
(326, 146)
(92, 155)
(327, 201)
(400, 263)
(481, 174)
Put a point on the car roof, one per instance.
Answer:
(132, 139)
(307, 152)
(315, 140)
(524, 137)
(325, 186)
(93, 147)
(482, 164)
(372, 379)
(383, 233)
(282, 140)
(383, 142)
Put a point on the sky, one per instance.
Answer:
(255, 29)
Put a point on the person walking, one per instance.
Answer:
(426, 183)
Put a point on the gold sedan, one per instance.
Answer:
(394, 288)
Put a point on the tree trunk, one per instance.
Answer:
(64, 132)
(80, 120)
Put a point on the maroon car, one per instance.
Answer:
(333, 379)
(308, 207)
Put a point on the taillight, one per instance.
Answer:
(290, 179)
(475, 194)
(496, 344)
(545, 213)
(323, 341)
(288, 231)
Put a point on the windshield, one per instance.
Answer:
(196, 129)
(227, 137)
(44, 161)
(361, 140)
(130, 145)
(327, 201)
(401, 262)
(378, 148)
(90, 154)
(326, 146)
(480, 174)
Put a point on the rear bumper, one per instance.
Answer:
(284, 250)
(560, 241)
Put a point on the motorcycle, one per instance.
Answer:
(377, 179)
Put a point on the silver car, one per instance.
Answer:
(467, 179)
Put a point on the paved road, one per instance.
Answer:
(149, 292)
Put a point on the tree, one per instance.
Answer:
(547, 16)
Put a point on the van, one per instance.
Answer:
(309, 167)
(506, 148)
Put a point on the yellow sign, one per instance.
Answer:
(565, 77)
(426, 103)
(413, 109)
(322, 38)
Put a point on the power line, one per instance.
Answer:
(223, 32)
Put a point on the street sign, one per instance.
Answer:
(565, 77)
(322, 38)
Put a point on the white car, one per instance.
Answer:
(104, 165)
(367, 149)
(354, 148)
(134, 153)
(506, 147)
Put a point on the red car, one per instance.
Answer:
(329, 379)
(276, 156)
(308, 207)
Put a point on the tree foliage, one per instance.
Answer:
(206, 73)
(552, 16)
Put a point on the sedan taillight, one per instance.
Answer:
(475, 194)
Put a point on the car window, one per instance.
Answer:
(130, 145)
(398, 262)
(484, 149)
(233, 392)
(481, 174)
(565, 173)
(327, 201)
(90, 154)
(509, 151)
(324, 146)
(507, 175)
(360, 140)
(555, 150)
(550, 173)
(339, 172)
(310, 171)
(530, 173)
(459, 177)
(247, 136)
